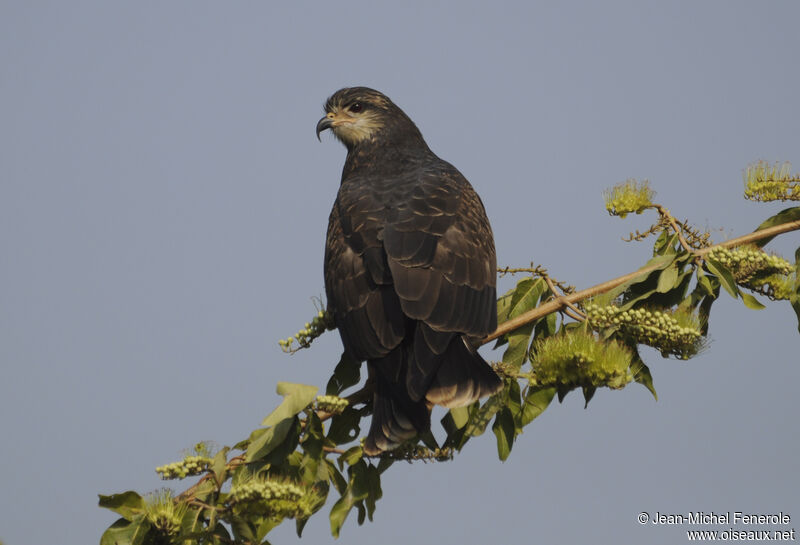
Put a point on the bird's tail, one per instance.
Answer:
(396, 418)
(463, 377)
(403, 396)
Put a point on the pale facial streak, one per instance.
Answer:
(352, 128)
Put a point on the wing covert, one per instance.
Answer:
(441, 255)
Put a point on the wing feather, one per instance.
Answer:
(441, 254)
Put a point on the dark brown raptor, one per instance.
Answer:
(410, 268)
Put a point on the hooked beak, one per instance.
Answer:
(324, 123)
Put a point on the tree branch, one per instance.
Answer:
(555, 305)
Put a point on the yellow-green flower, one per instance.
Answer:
(164, 513)
(628, 197)
(765, 182)
(579, 359)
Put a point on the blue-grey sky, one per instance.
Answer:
(163, 205)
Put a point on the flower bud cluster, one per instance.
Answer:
(191, 465)
(579, 359)
(272, 498)
(506, 369)
(774, 286)
(748, 263)
(628, 197)
(418, 452)
(331, 404)
(260, 489)
(765, 182)
(673, 333)
(322, 322)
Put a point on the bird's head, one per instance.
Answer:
(360, 114)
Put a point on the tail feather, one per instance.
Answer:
(412, 378)
(396, 418)
(463, 377)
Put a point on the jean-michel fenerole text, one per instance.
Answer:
(728, 518)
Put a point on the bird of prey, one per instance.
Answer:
(410, 268)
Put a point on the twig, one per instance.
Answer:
(189, 492)
(664, 213)
(204, 505)
(578, 314)
(553, 306)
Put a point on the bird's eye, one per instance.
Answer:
(356, 107)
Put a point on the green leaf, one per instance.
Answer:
(504, 304)
(641, 374)
(536, 401)
(345, 427)
(296, 397)
(128, 504)
(795, 299)
(281, 421)
(347, 373)
(300, 523)
(221, 533)
(514, 403)
(351, 456)
(218, 465)
(263, 529)
(588, 394)
(192, 523)
(374, 492)
(663, 242)
(456, 436)
(243, 530)
(526, 296)
(384, 464)
(337, 479)
(784, 216)
(272, 438)
(704, 283)
(647, 283)
(660, 262)
(546, 327)
(126, 532)
(357, 490)
(750, 301)
(724, 275)
(503, 429)
(517, 351)
(562, 390)
(460, 416)
(362, 513)
(478, 423)
(667, 279)
(312, 438)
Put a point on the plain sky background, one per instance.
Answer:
(163, 206)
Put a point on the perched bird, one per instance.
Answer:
(410, 268)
